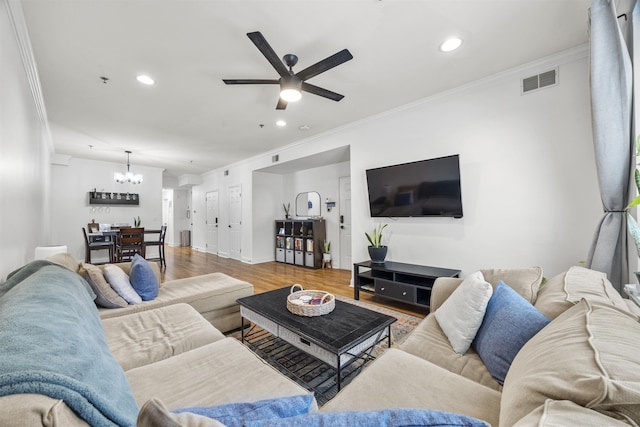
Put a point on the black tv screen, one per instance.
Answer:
(425, 188)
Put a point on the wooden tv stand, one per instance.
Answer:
(408, 283)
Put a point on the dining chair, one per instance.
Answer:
(90, 246)
(160, 244)
(129, 241)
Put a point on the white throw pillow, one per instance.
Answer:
(119, 282)
(460, 316)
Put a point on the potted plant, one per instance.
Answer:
(326, 251)
(286, 210)
(136, 222)
(377, 251)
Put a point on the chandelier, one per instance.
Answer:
(127, 177)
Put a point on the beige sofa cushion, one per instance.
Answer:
(218, 373)
(28, 410)
(150, 336)
(400, 380)
(563, 413)
(212, 295)
(525, 281)
(429, 342)
(66, 260)
(566, 289)
(588, 354)
(154, 414)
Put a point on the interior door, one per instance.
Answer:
(213, 214)
(345, 222)
(235, 222)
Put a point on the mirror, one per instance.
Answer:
(308, 204)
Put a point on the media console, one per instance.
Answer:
(408, 283)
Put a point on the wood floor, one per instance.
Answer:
(185, 262)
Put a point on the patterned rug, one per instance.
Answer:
(313, 374)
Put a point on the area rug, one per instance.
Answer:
(313, 374)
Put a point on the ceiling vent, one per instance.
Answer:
(540, 81)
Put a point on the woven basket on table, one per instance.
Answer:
(328, 302)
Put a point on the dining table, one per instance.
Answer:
(112, 236)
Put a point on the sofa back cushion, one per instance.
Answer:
(525, 281)
(556, 413)
(588, 354)
(65, 260)
(566, 289)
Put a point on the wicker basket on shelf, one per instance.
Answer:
(303, 306)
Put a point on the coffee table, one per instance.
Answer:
(347, 334)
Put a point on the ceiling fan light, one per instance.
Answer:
(290, 95)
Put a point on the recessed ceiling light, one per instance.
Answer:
(303, 127)
(281, 123)
(145, 80)
(451, 44)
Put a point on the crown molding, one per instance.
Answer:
(19, 27)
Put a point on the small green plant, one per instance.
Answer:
(286, 209)
(326, 249)
(376, 236)
(136, 222)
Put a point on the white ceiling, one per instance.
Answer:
(191, 122)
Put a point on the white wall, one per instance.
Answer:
(529, 188)
(25, 147)
(71, 211)
(324, 180)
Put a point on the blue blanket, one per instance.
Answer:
(52, 343)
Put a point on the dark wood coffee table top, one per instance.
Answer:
(346, 326)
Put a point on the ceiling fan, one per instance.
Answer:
(292, 84)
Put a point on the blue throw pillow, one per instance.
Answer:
(239, 414)
(385, 417)
(143, 279)
(509, 322)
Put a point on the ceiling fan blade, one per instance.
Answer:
(263, 46)
(321, 92)
(282, 104)
(324, 65)
(250, 82)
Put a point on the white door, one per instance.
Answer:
(235, 222)
(212, 221)
(345, 222)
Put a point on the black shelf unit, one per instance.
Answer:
(111, 198)
(300, 241)
(409, 283)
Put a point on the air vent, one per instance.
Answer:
(275, 158)
(539, 81)
(226, 173)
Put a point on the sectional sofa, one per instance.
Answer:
(582, 368)
(212, 295)
(62, 364)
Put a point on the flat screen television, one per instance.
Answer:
(424, 188)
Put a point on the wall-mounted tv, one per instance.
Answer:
(424, 188)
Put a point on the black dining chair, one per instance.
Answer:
(90, 246)
(130, 241)
(160, 244)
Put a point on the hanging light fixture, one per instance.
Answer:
(128, 177)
